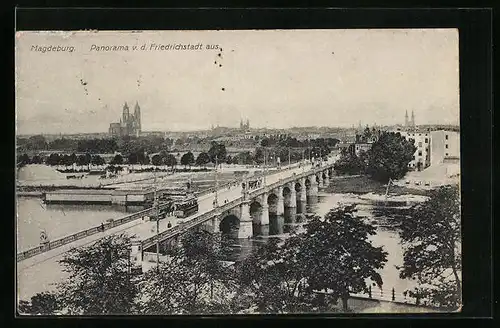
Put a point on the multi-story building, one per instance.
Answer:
(433, 147)
(445, 146)
(130, 124)
(421, 140)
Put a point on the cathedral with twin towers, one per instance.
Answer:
(130, 124)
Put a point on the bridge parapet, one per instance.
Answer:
(82, 234)
(184, 226)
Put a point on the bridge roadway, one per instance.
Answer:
(40, 272)
(147, 233)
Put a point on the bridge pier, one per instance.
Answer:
(264, 216)
(280, 206)
(313, 190)
(327, 178)
(246, 227)
(320, 180)
(293, 197)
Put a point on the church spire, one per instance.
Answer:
(406, 118)
(412, 119)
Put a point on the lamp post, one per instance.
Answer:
(289, 159)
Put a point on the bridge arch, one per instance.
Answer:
(256, 209)
(229, 225)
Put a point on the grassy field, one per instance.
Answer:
(363, 185)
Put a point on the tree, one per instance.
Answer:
(99, 281)
(133, 158)
(44, 303)
(273, 280)
(432, 248)
(84, 159)
(117, 160)
(217, 151)
(389, 157)
(191, 281)
(36, 160)
(97, 160)
(243, 158)
(349, 163)
(337, 255)
(156, 160)
(187, 159)
(202, 159)
(53, 159)
(170, 160)
(24, 159)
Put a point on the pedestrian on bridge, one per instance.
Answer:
(102, 227)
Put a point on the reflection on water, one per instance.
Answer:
(293, 221)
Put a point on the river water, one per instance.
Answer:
(387, 234)
(59, 220)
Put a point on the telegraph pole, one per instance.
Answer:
(216, 201)
(265, 165)
(289, 159)
(156, 213)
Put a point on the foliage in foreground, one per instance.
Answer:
(192, 280)
(99, 282)
(432, 248)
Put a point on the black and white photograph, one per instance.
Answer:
(238, 172)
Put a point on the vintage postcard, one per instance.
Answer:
(238, 172)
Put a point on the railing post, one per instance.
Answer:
(393, 294)
(370, 291)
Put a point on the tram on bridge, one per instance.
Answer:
(186, 207)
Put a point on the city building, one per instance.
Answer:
(445, 147)
(130, 124)
(421, 140)
(433, 147)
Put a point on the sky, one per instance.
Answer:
(274, 78)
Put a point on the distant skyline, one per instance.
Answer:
(276, 79)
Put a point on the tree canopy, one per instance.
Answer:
(389, 156)
(99, 282)
(202, 159)
(187, 159)
(217, 150)
(191, 281)
(432, 248)
(338, 255)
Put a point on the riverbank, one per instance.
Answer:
(360, 184)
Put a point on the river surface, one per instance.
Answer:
(60, 220)
(387, 234)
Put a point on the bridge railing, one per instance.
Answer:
(286, 180)
(80, 235)
(385, 294)
(183, 226)
(186, 225)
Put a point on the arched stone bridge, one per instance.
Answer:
(252, 207)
